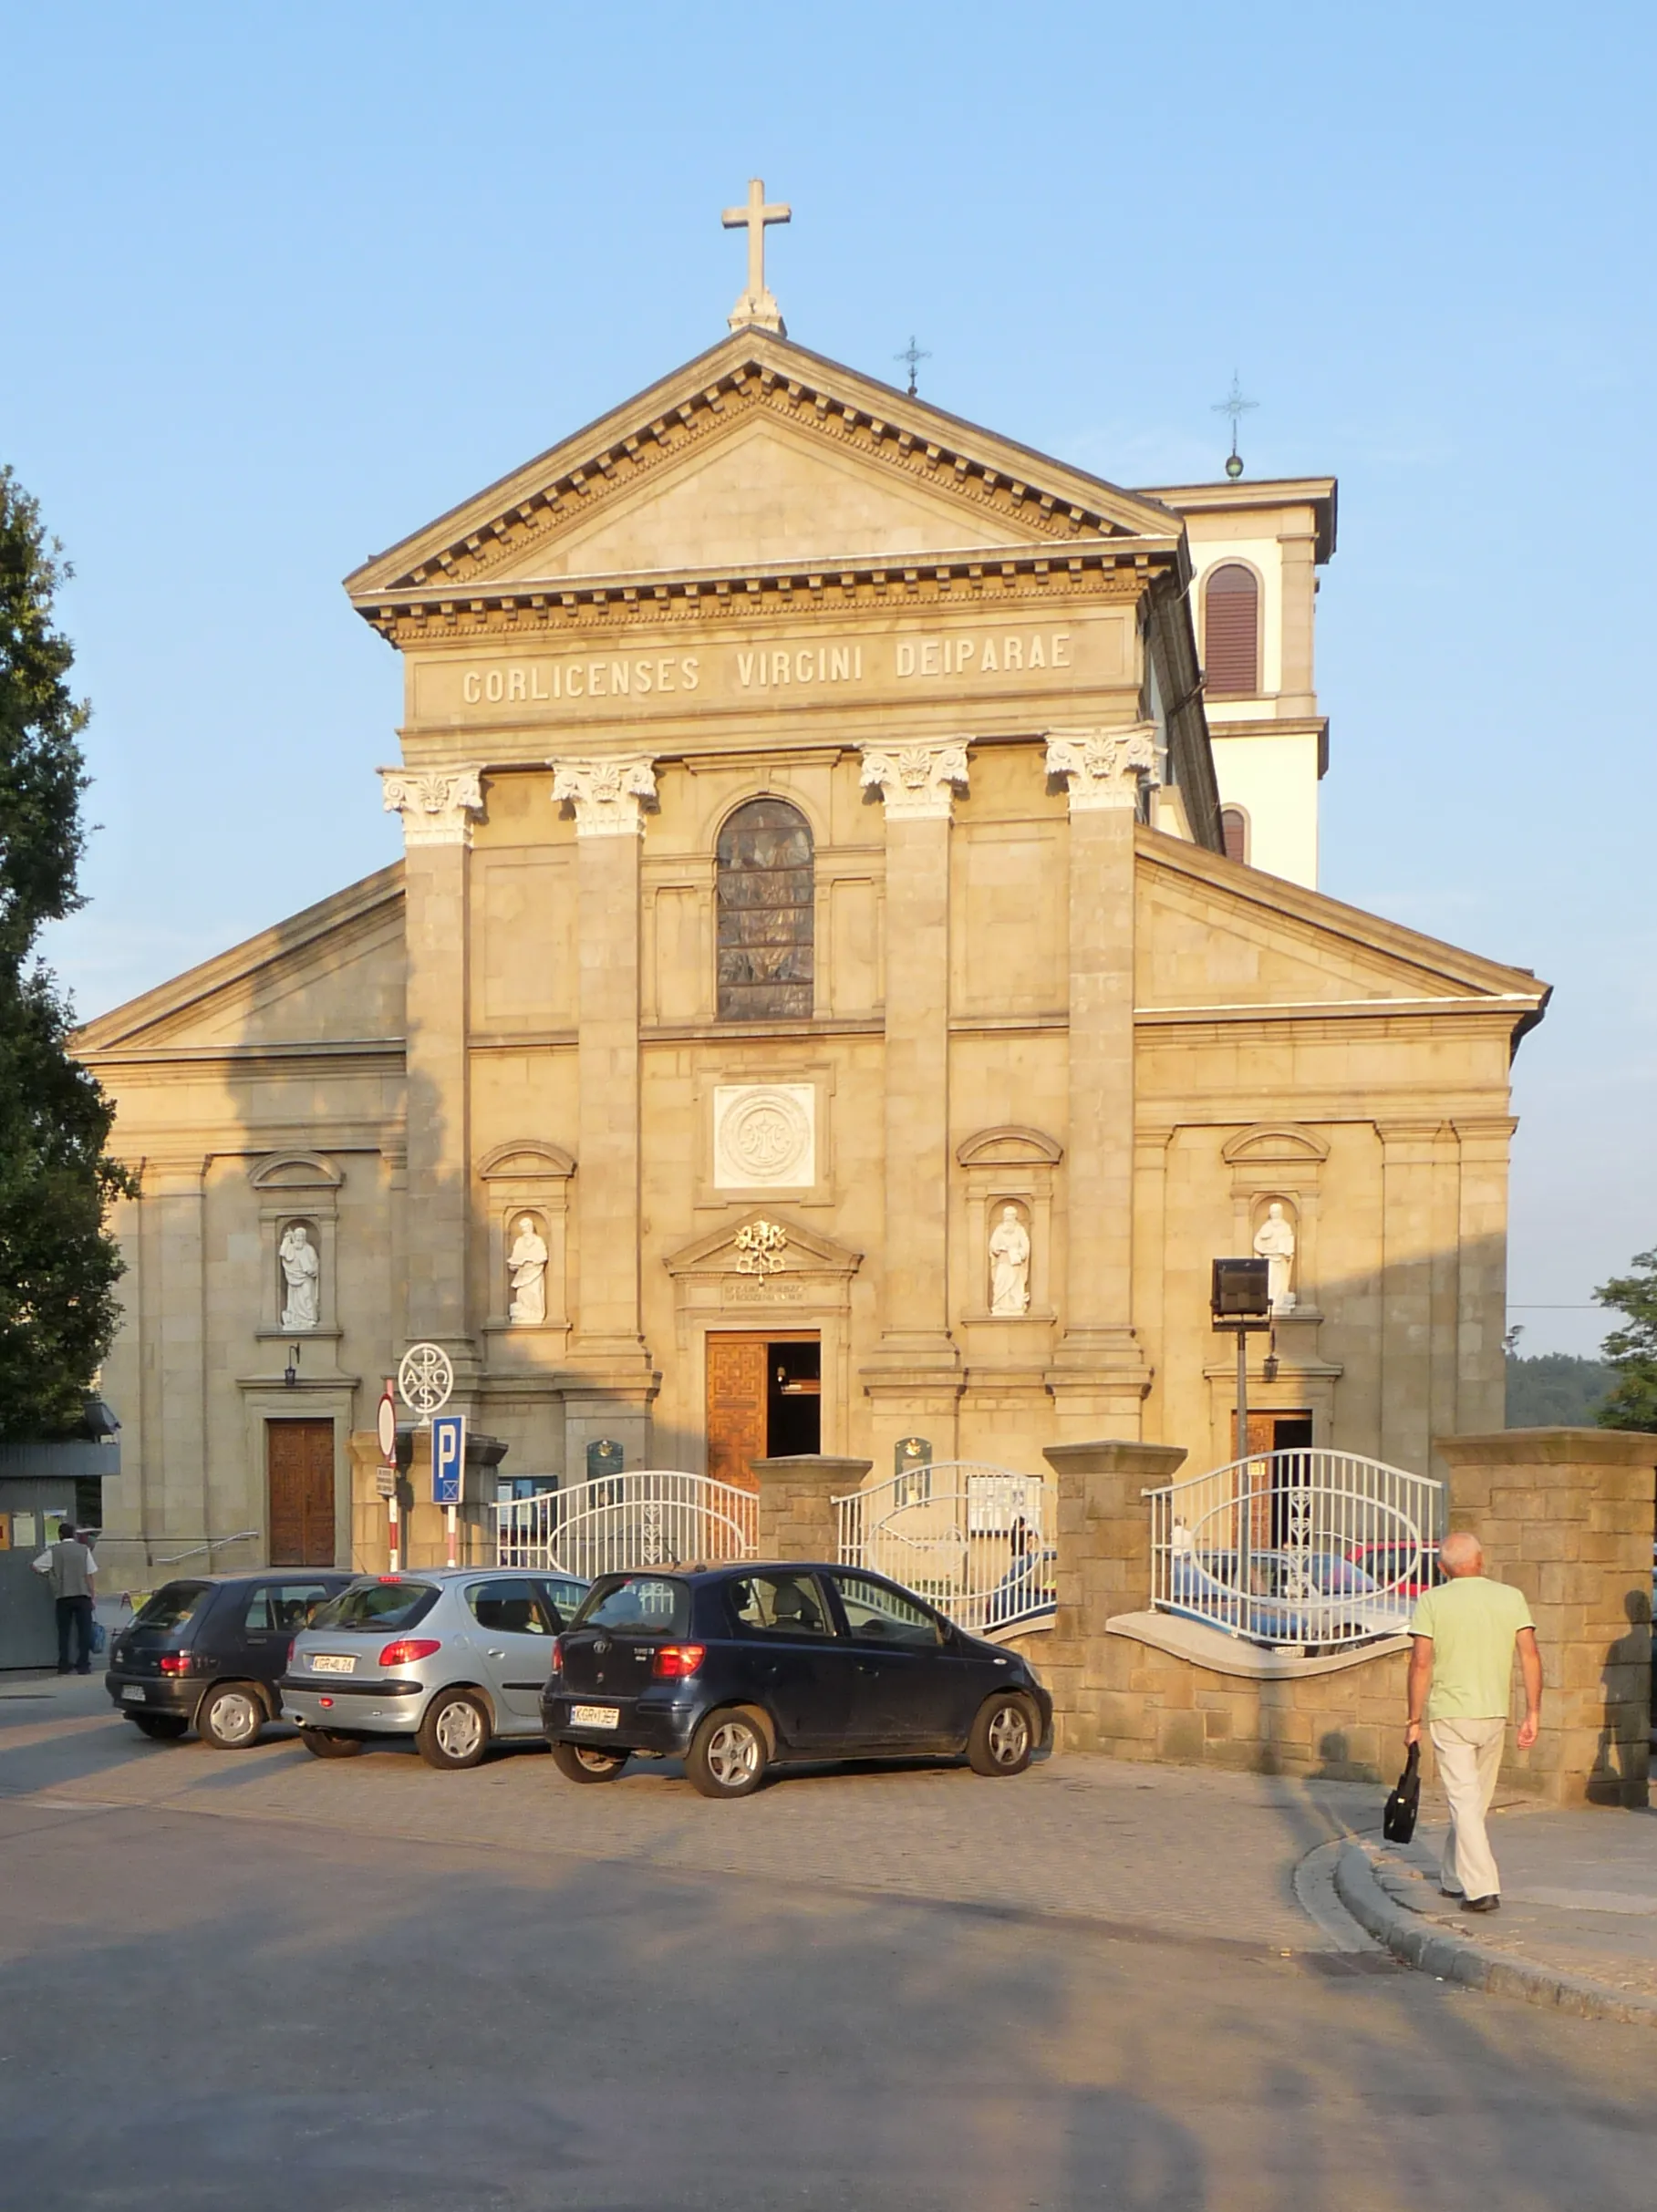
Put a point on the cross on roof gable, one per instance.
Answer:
(1012, 495)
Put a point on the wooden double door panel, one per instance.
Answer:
(740, 1413)
(300, 1480)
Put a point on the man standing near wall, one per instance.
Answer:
(72, 1571)
(1461, 1674)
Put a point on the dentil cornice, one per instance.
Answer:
(608, 796)
(1102, 767)
(437, 804)
(917, 782)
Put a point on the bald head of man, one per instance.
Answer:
(1461, 1552)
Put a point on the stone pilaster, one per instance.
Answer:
(1567, 1516)
(178, 1496)
(1099, 1375)
(608, 798)
(1418, 1228)
(796, 1518)
(917, 783)
(437, 806)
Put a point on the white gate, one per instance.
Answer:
(653, 1517)
(977, 1542)
(1311, 1548)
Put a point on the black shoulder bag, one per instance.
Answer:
(1398, 1822)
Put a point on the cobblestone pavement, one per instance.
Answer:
(1161, 1848)
(1579, 1891)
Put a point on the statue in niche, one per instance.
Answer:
(526, 1266)
(1274, 1241)
(302, 1272)
(1010, 1264)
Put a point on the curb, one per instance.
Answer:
(1473, 1965)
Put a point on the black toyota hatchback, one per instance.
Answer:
(737, 1668)
(208, 1650)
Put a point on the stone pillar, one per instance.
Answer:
(1481, 1366)
(915, 1371)
(613, 1395)
(437, 806)
(1099, 1376)
(175, 1308)
(1417, 1169)
(1566, 1514)
(1104, 1568)
(797, 1495)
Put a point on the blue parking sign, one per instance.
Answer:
(448, 1457)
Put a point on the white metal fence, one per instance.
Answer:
(651, 1517)
(1312, 1549)
(977, 1542)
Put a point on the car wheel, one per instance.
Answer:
(1003, 1735)
(328, 1743)
(729, 1755)
(455, 1730)
(586, 1762)
(230, 1716)
(160, 1727)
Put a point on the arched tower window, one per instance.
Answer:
(1233, 823)
(765, 894)
(1232, 632)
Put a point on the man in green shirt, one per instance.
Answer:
(1461, 1679)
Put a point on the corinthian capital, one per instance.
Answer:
(1102, 767)
(917, 782)
(436, 803)
(608, 797)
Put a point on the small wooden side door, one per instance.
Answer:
(736, 1406)
(299, 1467)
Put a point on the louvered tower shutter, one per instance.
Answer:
(1235, 824)
(1231, 633)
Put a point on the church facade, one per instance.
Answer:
(857, 960)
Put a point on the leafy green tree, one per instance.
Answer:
(1632, 1352)
(58, 1265)
(1554, 1389)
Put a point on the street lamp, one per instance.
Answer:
(1241, 1299)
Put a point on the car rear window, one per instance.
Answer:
(368, 1606)
(637, 1605)
(171, 1606)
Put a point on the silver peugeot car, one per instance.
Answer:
(455, 1657)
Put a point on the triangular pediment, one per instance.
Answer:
(330, 977)
(756, 454)
(764, 1243)
(1215, 938)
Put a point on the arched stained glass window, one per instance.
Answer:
(1231, 633)
(765, 909)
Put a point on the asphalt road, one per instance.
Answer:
(220, 1988)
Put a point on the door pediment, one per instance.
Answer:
(764, 1245)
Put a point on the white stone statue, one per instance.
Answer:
(1010, 1264)
(1274, 1240)
(302, 1269)
(526, 1265)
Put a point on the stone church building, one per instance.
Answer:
(856, 959)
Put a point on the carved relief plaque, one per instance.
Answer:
(764, 1134)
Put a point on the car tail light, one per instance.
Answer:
(287, 1657)
(175, 1662)
(408, 1649)
(675, 1661)
(557, 1666)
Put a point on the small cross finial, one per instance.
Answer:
(756, 306)
(914, 355)
(1236, 406)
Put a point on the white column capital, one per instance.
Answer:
(608, 798)
(437, 804)
(917, 782)
(1104, 767)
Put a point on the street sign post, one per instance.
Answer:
(386, 1479)
(448, 1468)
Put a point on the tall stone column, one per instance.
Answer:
(1099, 1378)
(437, 806)
(612, 1385)
(913, 1376)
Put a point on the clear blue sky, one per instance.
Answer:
(280, 284)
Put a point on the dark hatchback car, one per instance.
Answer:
(207, 1651)
(740, 1667)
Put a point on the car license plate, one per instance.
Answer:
(134, 1692)
(595, 1716)
(333, 1662)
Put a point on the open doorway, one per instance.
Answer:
(764, 1399)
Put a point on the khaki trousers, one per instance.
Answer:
(1469, 1757)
